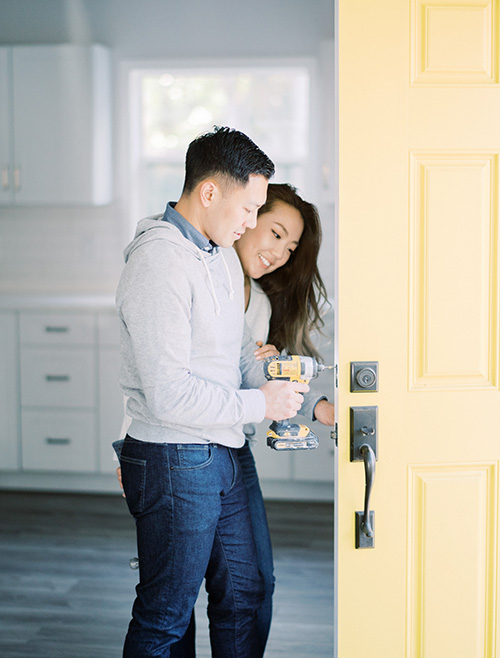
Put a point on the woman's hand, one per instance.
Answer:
(324, 411)
(119, 476)
(264, 351)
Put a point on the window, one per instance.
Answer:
(170, 106)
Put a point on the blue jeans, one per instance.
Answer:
(262, 541)
(186, 647)
(190, 507)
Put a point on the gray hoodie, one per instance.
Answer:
(187, 358)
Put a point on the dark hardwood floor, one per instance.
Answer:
(66, 588)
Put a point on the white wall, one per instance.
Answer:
(79, 249)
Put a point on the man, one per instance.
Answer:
(192, 382)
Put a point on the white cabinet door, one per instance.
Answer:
(6, 189)
(111, 399)
(9, 387)
(111, 407)
(61, 124)
(58, 378)
(57, 329)
(59, 441)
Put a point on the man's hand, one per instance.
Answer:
(283, 399)
(324, 411)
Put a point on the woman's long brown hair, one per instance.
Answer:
(296, 290)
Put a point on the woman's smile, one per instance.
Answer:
(264, 261)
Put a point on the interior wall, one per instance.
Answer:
(79, 250)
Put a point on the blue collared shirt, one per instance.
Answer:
(187, 229)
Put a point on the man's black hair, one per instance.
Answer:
(225, 152)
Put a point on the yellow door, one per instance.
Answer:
(419, 145)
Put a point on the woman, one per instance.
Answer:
(284, 297)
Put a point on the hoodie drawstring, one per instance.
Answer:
(212, 287)
(231, 289)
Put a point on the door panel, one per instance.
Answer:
(419, 145)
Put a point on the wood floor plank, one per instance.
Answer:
(66, 588)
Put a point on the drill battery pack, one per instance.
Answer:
(292, 436)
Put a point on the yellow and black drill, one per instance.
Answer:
(282, 434)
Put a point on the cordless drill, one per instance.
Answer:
(282, 434)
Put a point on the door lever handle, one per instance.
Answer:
(369, 461)
(364, 447)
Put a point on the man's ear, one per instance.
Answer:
(209, 191)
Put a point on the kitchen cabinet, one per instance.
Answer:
(55, 125)
(111, 401)
(5, 127)
(9, 387)
(61, 406)
(60, 403)
(58, 441)
(58, 367)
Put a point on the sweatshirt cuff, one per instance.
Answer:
(254, 405)
(314, 408)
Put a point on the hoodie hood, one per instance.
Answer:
(154, 228)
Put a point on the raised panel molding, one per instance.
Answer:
(454, 42)
(452, 522)
(453, 298)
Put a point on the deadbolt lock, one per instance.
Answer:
(364, 376)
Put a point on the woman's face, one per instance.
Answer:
(268, 246)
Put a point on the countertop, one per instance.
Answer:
(20, 301)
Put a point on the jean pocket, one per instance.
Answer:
(118, 447)
(134, 483)
(192, 456)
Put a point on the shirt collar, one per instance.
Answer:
(187, 229)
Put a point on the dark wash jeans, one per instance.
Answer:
(262, 539)
(192, 520)
(186, 648)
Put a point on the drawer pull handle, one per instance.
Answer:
(56, 330)
(5, 178)
(17, 178)
(54, 441)
(57, 378)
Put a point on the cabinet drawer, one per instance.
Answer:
(57, 378)
(58, 441)
(57, 328)
(109, 329)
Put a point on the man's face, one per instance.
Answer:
(234, 209)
